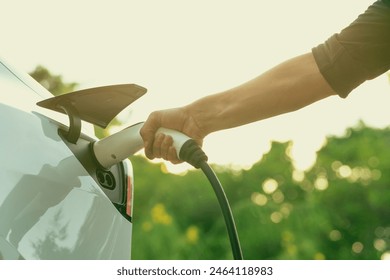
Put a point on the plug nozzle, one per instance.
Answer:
(123, 144)
(118, 146)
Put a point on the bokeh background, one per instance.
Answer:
(312, 184)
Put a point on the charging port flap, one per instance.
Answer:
(98, 105)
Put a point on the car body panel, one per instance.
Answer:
(50, 206)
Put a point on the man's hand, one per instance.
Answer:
(160, 145)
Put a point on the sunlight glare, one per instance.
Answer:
(270, 185)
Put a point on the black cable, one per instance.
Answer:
(194, 155)
(226, 211)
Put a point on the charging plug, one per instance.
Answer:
(125, 143)
(186, 148)
(118, 146)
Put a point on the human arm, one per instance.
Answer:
(358, 53)
(287, 87)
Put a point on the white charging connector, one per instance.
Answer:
(125, 143)
(179, 139)
(118, 146)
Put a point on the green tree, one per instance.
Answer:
(337, 210)
(354, 194)
(53, 83)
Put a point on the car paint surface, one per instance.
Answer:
(50, 207)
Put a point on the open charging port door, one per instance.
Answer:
(98, 106)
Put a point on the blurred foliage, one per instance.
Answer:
(53, 83)
(339, 209)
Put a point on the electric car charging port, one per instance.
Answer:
(112, 181)
(106, 179)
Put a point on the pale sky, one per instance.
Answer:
(182, 50)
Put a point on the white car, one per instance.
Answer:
(56, 201)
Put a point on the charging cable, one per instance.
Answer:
(226, 211)
(194, 155)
